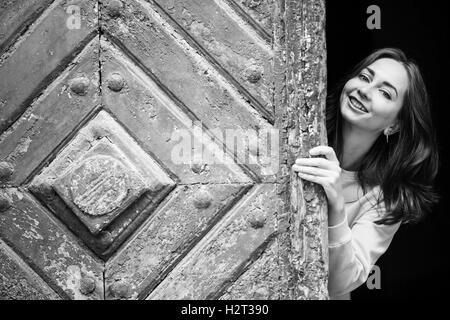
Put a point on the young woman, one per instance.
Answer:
(379, 169)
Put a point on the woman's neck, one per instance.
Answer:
(356, 143)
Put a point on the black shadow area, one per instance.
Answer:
(416, 264)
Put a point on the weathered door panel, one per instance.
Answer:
(169, 235)
(234, 243)
(260, 280)
(154, 118)
(96, 202)
(49, 85)
(53, 117)
(259, 14)
(167, 85)
(16, 16)
(218, 32)
(19, 281)
(50, 249)
(188, 78)
(40, 54)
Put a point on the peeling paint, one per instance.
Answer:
(300, 100)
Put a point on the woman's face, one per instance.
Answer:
(372, 99)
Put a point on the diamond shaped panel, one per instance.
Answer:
(100, 186)
(100, 175)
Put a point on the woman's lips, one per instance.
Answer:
(356, 104)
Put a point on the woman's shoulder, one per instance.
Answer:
(353, 190)
(351, 184)
(371, 204)
(362, 201)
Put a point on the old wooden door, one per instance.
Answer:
(97, 98)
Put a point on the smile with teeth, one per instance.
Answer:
(356, 104)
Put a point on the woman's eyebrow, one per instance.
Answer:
(386, 83)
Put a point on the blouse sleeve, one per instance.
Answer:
(353, 251)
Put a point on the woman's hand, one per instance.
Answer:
(326, 172)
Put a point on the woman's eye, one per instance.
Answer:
(364, 77)
(386, 94)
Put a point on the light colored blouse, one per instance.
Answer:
(356, 243)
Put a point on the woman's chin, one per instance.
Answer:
(353, 118)
(348, 114)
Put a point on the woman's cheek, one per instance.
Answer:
(383, 109)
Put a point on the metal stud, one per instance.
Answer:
(202, 200)
(198, 168)
(120, 290)
(98, 132)
(6, 171)
(43, 189)
(257, 219)
(261, 293)
(114, 8)
(79, 85)
(5, 202)
(253, 73)
(87, 285)
(105, 239)
(115, 81)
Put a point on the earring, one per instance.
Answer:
(387, 132)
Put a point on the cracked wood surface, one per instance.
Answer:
(149, 68)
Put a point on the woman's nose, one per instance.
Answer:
(364, 92)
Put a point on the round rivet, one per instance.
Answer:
(198, 168)
(97, 133)
(252, 4)
(105, 239)
(79, 85)
(202, 200)
(257, 219)
(114, 8)
(47, 190)
(6, 170)
(44, 189)
(253, 74)
(261, 293)
(120, 290)
(115, 82)
(87, 285)
(5, 202)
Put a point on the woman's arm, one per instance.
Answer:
(353, 251)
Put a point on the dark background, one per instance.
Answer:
(416, 264)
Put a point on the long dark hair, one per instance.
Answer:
(404, 167)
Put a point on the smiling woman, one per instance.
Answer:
(379, 169)
(378, 92)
